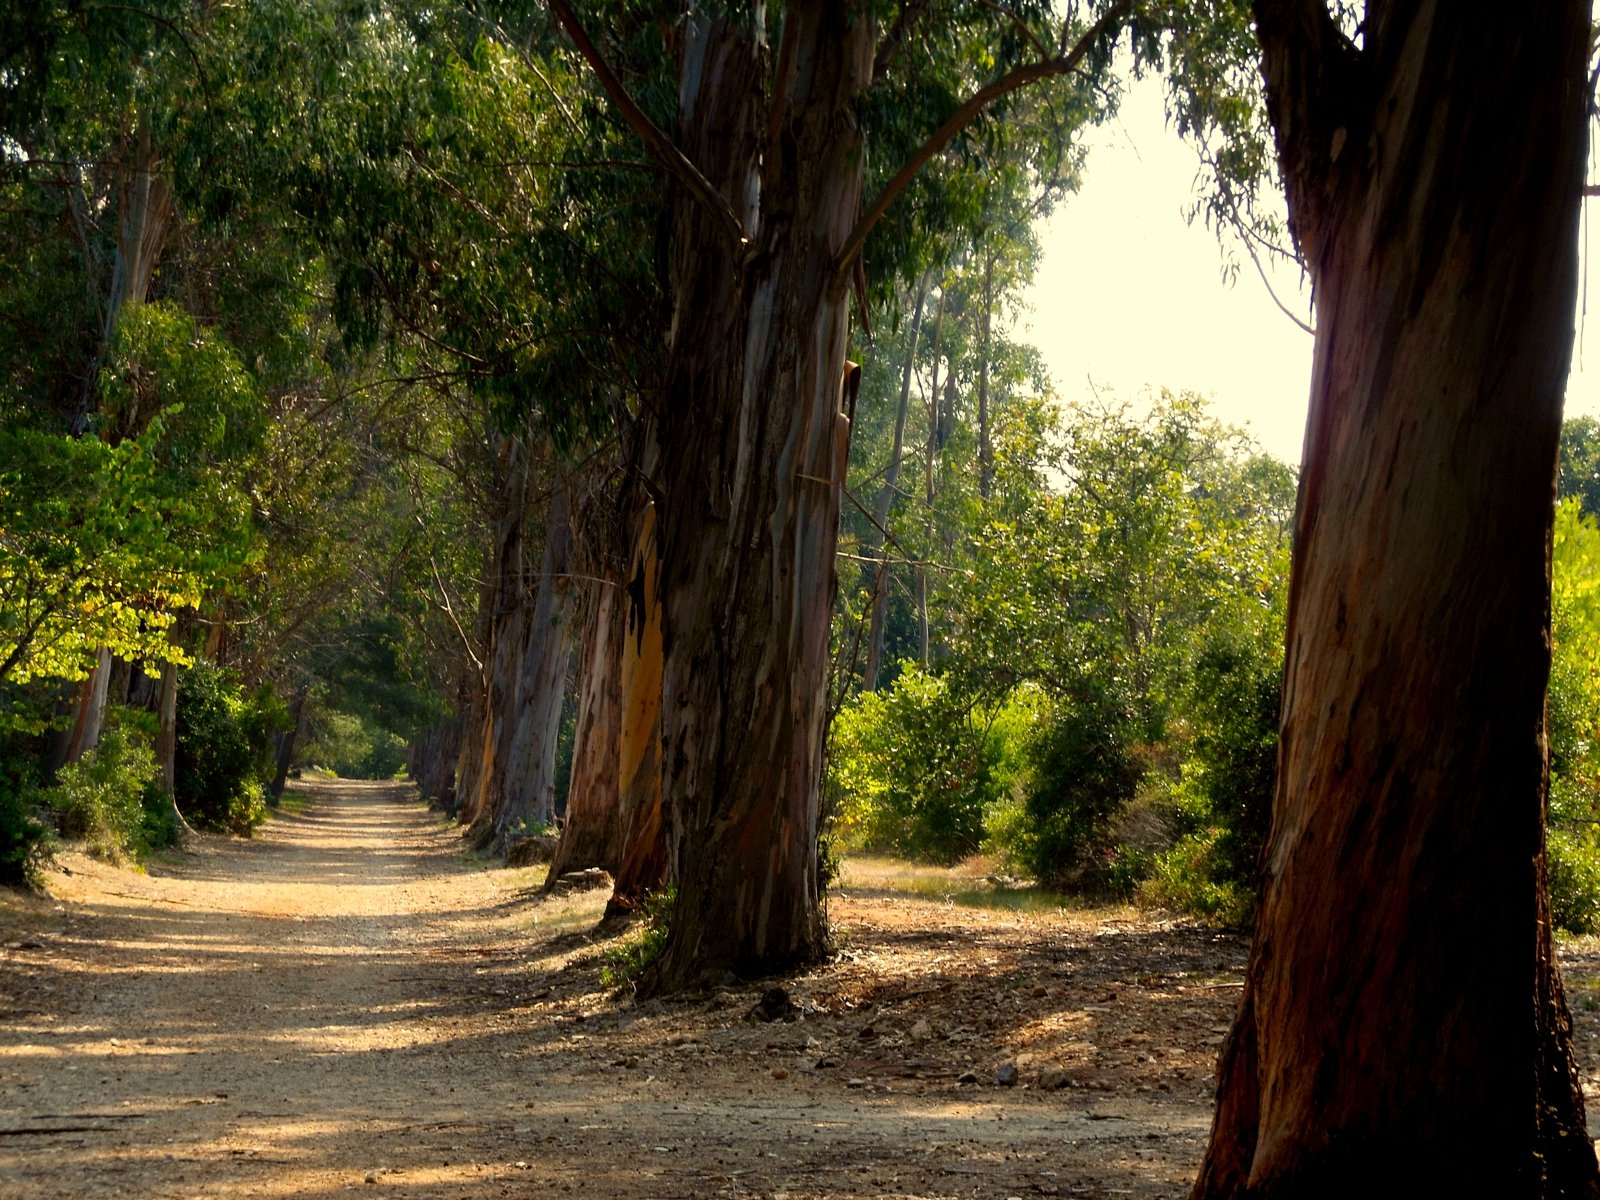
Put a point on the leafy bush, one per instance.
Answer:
(913, 769)
(1574, 866)
(112, 798)
(1083, 770)
(25, 837)
(1187, 879)
(1573, 838)
(225, 749)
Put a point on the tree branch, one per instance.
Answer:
(673, 159)
(963, 116)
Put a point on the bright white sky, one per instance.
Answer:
(1132, 298)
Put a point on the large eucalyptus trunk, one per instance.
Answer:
(753, 447)
(591, 831)
(1402, 1030)
(528, 781)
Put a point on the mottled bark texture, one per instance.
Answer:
(1402, 1030)
(591, 830)
(642, 864)
(528, 782)
(753, 444)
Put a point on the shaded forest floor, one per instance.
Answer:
(346, 1004)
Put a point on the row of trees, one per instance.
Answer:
(556, 309)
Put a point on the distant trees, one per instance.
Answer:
(1126, 574)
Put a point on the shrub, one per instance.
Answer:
(1083, 770)
(1234, 764)
(99, 798)
(25, 837)
(1188, 878)
(1574, 866)
(111, 798)
(913, 768)
(225, 749)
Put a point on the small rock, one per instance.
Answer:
(967, 1077)
(827, 1061)
(372, 1177)
(774, 1005)
(867, 1033)
(1054, 1081)
(1006, 1074)
(921, 1030)
(779, 1073)
(855, 1083)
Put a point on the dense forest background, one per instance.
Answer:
(337, 369)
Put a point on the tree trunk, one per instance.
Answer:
(506, 639)
(90, 710)
(1402, 1005)
(528, 781)
(166, 746)
(591, 833)
(891, 478)
(927, 487)
(642, 866)
(144, 217)
(752, 450)
(986, 348)
(286, 743)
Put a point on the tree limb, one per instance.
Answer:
(658, 143)
(963, 116)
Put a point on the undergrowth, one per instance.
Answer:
(625, 962)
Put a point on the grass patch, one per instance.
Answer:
(625, 962)
(971, 883)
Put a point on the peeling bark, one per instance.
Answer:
(591, 832)
(529, 777)
(753, 444)
(642, 866)
(1402, 1005)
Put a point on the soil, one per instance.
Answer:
(349, 1003)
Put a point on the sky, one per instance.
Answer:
(1130, 298)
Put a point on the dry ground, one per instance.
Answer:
(347, 1004)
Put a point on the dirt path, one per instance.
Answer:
(345, 1004)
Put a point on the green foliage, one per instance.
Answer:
(1233, 765)
(1573, 836)
(111, 799)
(1083, 770)
(1580, 464)
(88, 555)
(914, 768)
(352, 746)
(627, 961)
(225, 749)
(1186, 878)
(26, 839)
